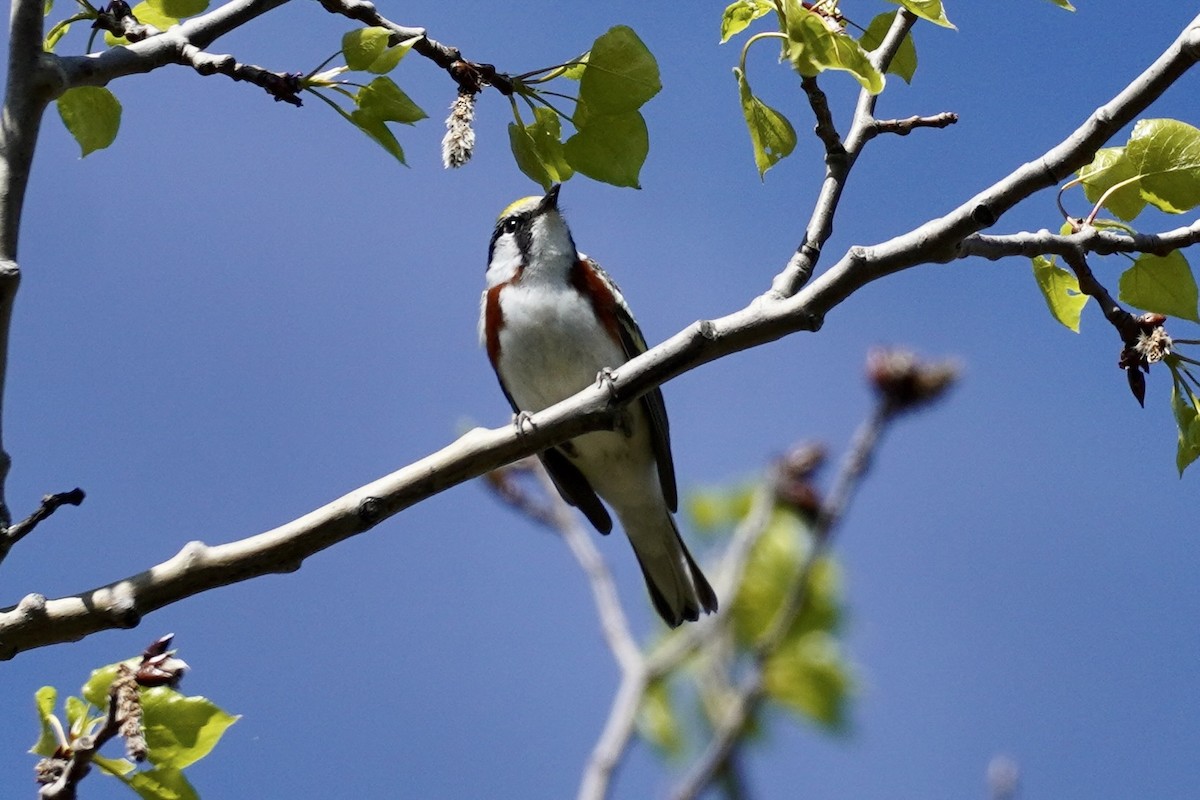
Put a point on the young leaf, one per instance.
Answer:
(1060, 288)
(538, 148)
(621, 74)
(1163, 284)
(813, 48)
(382, 99)
(52, 38)
(1166, 152)
(378, 130)
(1186, 417)
(362, 46)
(657, 720)
(772, 565)
(92, 114)
(739, 14)
(160, 783)
(1110, 167)
(929, 9)
(611, 148)
(905, 62)
(1063, 4)
(45, 699)
(772, 136)
(178, 9)
(181, 730)
(810, 676)
(390, 57)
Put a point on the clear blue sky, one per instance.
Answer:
(242, 310)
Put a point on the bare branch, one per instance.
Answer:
(50, 503)
(903, 127)
(825, 129)
(1091, 240)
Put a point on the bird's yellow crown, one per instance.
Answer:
(516, 205)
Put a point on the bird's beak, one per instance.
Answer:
(550, 201)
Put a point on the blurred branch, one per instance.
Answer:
(50, 503)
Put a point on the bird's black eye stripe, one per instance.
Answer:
(511, 224)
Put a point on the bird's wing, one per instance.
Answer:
(634, 344)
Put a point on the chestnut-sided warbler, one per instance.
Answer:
(552, 321)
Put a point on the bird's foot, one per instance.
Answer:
(622, 420)
(523, 422)
(606, 380)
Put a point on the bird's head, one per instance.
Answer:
(531, 237)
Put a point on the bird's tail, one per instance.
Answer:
(677, 586)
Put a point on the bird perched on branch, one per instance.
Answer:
(552, 322)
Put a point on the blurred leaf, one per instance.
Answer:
(177, 9)
(1188, 421)
(657, 720)
(770, 569)
(1108, 168)
(181, 730)
(905, 62)
(738, 15)
(362, 46)
(928, 9)
(44, 700)
(771, 134)
(1060, 288)
(1163, 284)
(621, 74)
(538, 148)
(1166, 152)
(810, 675)
(718, 509)
(147, 15)
(611, 148)
(1063, 4)
(92, 114)
(814, 47)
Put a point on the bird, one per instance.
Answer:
(552, 323)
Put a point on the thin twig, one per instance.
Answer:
(50, 503)
(903, 127)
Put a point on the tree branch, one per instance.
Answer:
(1091, 239)
(903, 127)
(37, 622)
(50, 504)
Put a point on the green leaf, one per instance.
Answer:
(1110, 167)
(384, 100)
(717, 510)
(814, 47)
(904, 63)
(1060, 288)
(147, 15)
(1166, 152)
(657, 721)
(810, 675)
(177, 9)
(772, 136)
(44, 700)
(538, 148)
(362, 46)
(739, 14)
(928, 9)
(181, 730)
(114, 766)
(1186, 417)
(621, 74)
(378, 130)
(1063, 4)
(160, 783)
(95, 691)
(92, 114)
(392, 56)
(1163, 284)
(611, 148)
(770, 568)
(54, 36)
(79, 714)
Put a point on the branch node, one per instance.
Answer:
(370, 512)
(707, 330)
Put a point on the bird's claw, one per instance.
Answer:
(608, 381)
(523, 422)
(623, 421)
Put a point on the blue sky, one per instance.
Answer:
(242, 310)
